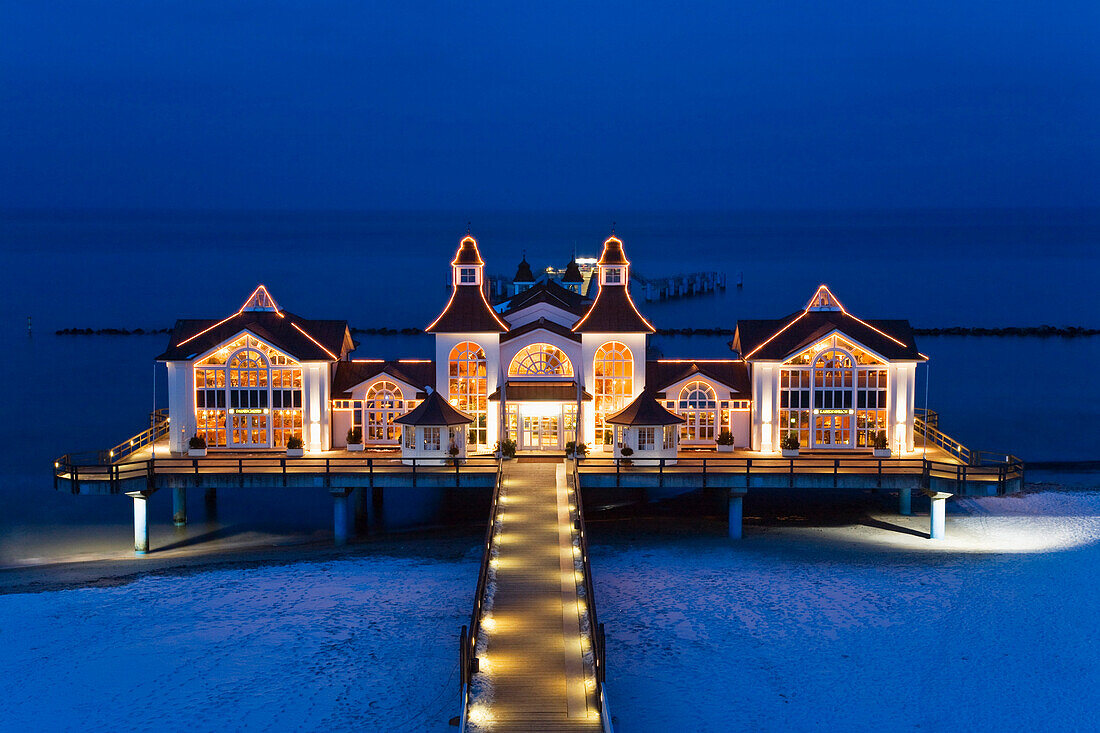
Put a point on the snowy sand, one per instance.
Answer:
(362, 643)
(860, 627)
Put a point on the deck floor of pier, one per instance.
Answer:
(533, 653)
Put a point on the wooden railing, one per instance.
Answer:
(1000, 472)
(467, 639)
(595, 627)
(933, 435)
(157, 430)
(76, 468)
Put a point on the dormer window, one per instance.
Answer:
(467, 276)
(613, 275)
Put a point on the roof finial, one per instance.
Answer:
(467, 229)
(613, 229)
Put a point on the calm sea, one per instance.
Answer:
(1030, 396)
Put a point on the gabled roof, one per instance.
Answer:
(572, 273)
(543, 324)
(644, 411)
(349, 374)
(434, 411)
(779, 339)
(301, 338)
(733, 373)
(551, 293)
(523, 272)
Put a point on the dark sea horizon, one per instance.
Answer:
(107, 269)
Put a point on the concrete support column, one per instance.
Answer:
(735, 516)
(141, 525)
(210, 502)
(938, 515)
(179, 506)
(340, 515)
(905, 502)
(362, 518)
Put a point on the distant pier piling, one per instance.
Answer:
(683, 286)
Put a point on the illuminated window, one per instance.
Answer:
(698, 404)
(383, 403)
(410, 438)
(467, 276)
(612, 275)
(468, 388)
(248, 395)
(647, 438)
(540, 360)
(870, 406)
(670, 436)
(613, 367)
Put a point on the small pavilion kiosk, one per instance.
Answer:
(431, 429)
(647, 428)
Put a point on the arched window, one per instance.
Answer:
(540, 360)
(383, 403)
(698, 404)
(833, 380)
(468, 388)
(613, 368)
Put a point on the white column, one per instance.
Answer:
(340, 517)
(141, 526)
(735, 517)
(905, 501)
(938, 515)
(179, 506)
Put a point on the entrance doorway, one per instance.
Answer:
(833, 431)
(250, 431)
(540, 432)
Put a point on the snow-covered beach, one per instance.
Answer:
(802, 625)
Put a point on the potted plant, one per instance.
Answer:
(573, 449)
(355, 439)
(789, 445)
(506, 449)
(626, 452)
(453, 452)
(881, 448)
(725, 442)
(295, 448)
(196, 447)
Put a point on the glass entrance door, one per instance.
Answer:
(540, 432)
(832, 431)
(250, 431)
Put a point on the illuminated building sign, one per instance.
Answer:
(248, 411)
(832, 412)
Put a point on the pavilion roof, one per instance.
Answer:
(435, 411)
(644, 411)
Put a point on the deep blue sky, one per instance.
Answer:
(598, 106)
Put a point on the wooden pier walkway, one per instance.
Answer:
(533, 651)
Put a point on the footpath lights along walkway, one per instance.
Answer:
(535, 666)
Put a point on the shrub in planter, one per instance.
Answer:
(725, 441)
(295, 448)
(196, 446)
(355, 439)
(789, 444)
(626, 452)
(453, 452)
(575, 449)
(881, 447)
(507, 448)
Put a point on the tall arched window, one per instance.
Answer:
(540, 360)
(613, 368)
(833, 379)
(383, 403)
(698, 404)
(468, 387)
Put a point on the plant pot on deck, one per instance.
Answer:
(725, 448)
(196, 452)
(354, 447)
(295, 452)
(789, 452)
(881, 452)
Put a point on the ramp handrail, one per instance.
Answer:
(596, 628)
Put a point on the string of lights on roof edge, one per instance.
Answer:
(275, 306)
